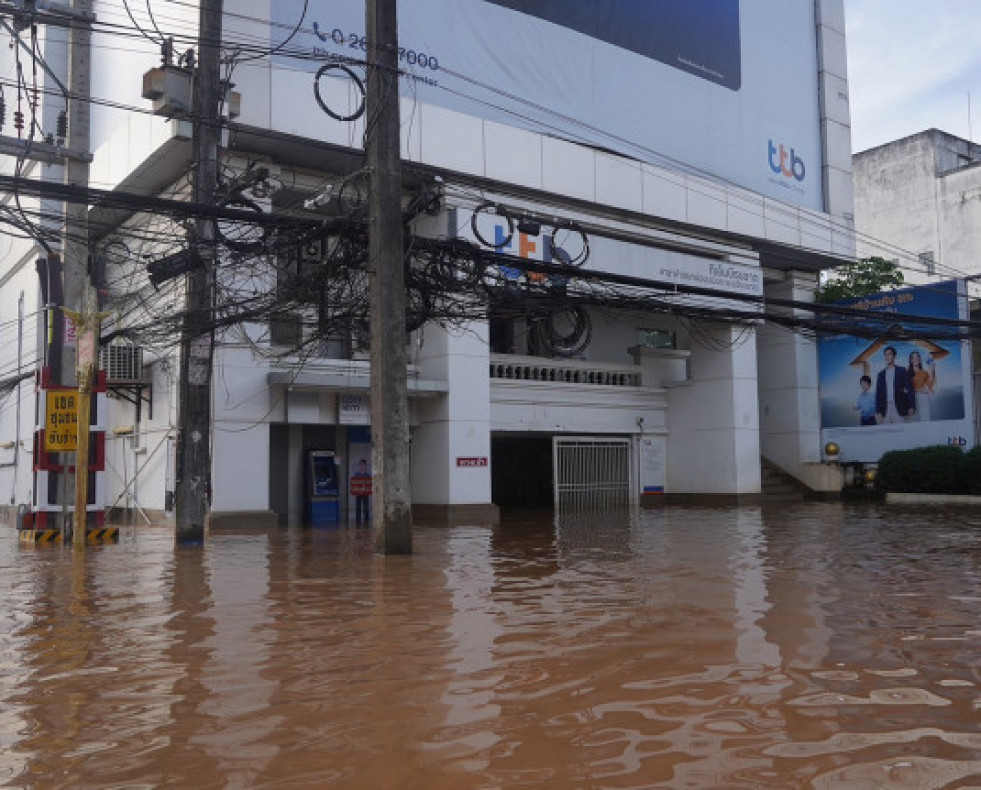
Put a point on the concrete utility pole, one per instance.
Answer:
(87, 322)
(392, 512)
(197, 341)
(75, 242)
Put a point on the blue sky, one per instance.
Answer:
(911, 65)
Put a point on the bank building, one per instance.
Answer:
(613, 227)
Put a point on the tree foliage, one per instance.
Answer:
(862, 278)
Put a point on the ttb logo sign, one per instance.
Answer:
(785, 161)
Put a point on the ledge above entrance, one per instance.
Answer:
(348, 377)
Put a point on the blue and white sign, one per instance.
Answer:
(666, 266)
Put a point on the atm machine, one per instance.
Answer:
(323, 496)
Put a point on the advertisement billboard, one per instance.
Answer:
(700, 36)
(722, 88)
(881, 394)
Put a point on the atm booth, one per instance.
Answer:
(323, 494)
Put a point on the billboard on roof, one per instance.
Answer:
(722, 88)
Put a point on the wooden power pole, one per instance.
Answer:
(392, 511)
(197, 339)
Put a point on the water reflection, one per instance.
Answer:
(814, 646)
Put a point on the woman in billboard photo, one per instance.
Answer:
(924, 380)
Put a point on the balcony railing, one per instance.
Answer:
(518, 368)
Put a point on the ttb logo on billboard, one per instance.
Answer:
(784, 161)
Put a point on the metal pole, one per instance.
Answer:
(392, 511)
(193, 487)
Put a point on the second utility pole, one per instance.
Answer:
(197, 346)
(77, 287)
(392, 511)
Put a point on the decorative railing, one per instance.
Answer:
(517, 368)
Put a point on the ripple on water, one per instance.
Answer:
(915, 773)
(676, 648)
(892, 696)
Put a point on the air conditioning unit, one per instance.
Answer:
(122, 363)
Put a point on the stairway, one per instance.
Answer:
(779, 488)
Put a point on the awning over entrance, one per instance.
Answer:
(348, 376)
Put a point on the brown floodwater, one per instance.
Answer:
(812, 646)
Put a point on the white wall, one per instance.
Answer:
(140, 454)
(542, 407)
(19, 347)
(960, 224)
(19, 284)
(895, 202)
(921, 194)
(242, 405)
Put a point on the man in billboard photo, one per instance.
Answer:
(894, 398)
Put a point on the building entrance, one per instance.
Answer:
(591, 472)
(565, 472)
(521, 472)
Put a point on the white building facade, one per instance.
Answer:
(918, 202)
(724, 166)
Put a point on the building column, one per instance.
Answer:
(790, 418)
(713, 424)
(451, 477)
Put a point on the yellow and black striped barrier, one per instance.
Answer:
(40, 537)
(52, 537)
(102, 535)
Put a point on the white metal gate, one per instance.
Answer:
(590, 472)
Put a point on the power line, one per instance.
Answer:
(285, 52)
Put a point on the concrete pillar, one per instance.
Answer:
(713, 424)
(241, 477)
(295, 487)
(452, 442)
(836, 173)
(790, 417)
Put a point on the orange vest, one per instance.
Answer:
(361, 485)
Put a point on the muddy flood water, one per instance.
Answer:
(815, 646)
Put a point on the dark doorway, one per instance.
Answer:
(521, 472)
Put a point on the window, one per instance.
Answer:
(657, 338)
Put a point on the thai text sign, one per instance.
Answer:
(60, 421)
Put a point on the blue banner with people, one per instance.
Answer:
(881, 393)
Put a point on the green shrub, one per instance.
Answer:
(972, 468)
(928, 470)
